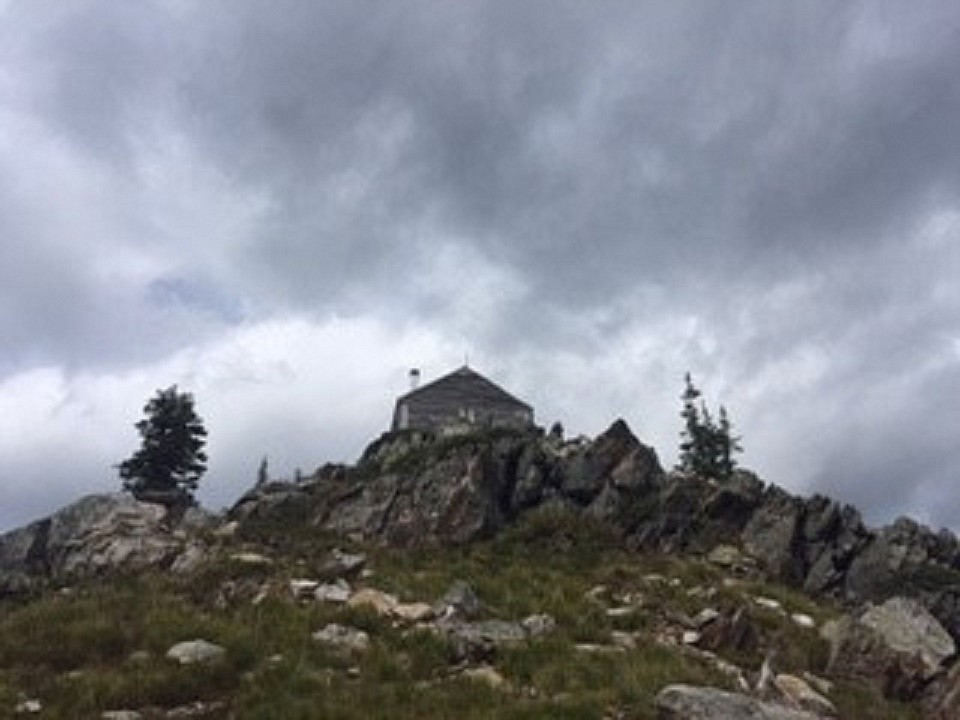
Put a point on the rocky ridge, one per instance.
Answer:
(411, 488)
(417, 490)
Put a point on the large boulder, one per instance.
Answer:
(689, 702)
(907, 627)
(898, 645)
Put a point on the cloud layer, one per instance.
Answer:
(283, 205)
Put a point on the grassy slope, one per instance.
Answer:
(72, 649)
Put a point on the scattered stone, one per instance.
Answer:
(252, 559)
(804, 696)
(690, 637)
(414, 612)
(688, 702)
(344, 637)
(731, 632)
(480, 641)
(597, 594)
(138, 657)
(335, 592)
(802, 620)
(197, 709)
(654, 579)
(539, 624)
(597, 648)
(705, 617)
(459, 601)
(381, 602)
(727, 556)
(28, 707)
(616, 612)
(768, 603)
(487, 674)
(821, 685)
(342, 564)
(121, 715)
(622, 639)
(303, 589)
(195, 651)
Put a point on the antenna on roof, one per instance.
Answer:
(466, 359)
(414, 378)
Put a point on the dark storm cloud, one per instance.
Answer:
(777, 185)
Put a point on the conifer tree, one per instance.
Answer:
(170, 461)
(707, 448)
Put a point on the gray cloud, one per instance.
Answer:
(613, 193)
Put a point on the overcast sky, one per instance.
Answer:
(283, 205)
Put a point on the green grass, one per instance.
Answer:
(73, 650)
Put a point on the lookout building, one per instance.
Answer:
(461, 400)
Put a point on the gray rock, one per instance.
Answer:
(688, 702)
(340, 564)
(459, 601)
(539, 624)
(770, 535)
(95, 534)
(191, 652)
(480, 641)
(343, 637)
(907, 627)
(120, 715)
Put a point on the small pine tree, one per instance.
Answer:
(263, 474)
(707, 448)
(728, 445)
(171, 461)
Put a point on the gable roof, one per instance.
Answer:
(464, 382)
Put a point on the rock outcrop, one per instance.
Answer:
(96, 534)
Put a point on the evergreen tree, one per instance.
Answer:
(707, 448)
(170, 461)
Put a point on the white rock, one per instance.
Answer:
(805, 696)
(380, 601)
(335, 592)
(616, 612)
(121, 715)
(802, 620)
(768, 603)
(30, 707)
(251, 558)
(539, 624)
(690, 637)
(195, 651)
(303, 589)
(412, 612)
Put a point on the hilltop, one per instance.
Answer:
(501, 573)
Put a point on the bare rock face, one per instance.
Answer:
(688, 702)
(96, 534)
